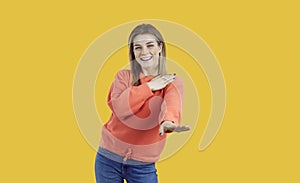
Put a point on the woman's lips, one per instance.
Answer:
(146, 58)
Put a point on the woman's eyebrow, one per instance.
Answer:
(136, 44)
(149, 42)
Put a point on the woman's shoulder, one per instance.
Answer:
(124, 74)
(124, 71)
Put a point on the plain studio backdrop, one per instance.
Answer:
(256, 44)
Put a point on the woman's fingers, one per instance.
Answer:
(157, 77)
(168, 78)
(161, 130)
(182, 128)
(168, 126)
(161, 81)
(161, 78)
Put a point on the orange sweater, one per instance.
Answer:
(133, 128)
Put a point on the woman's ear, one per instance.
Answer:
(160, 47)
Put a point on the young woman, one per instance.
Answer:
(146, 103)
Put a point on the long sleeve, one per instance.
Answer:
(124, 99)
(171, 109)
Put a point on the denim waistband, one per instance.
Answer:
(120, 159)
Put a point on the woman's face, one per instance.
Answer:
(146, 51)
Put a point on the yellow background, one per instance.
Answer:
(257, 46)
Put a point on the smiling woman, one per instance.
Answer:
(146, 103)
(146, 52)
(145, 38)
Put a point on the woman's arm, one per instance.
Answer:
(173, 102)
(172, 108)
(124, 99)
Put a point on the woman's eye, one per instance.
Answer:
(150, 45)
(137, 48)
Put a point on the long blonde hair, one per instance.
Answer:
(134, 65)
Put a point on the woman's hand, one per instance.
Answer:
(161, 81)
(169, 126)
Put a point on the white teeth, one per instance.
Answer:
(146, 58)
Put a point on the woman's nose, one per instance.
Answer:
(144, 50)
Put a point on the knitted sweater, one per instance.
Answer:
(132, 130)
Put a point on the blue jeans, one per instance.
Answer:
(109, 171)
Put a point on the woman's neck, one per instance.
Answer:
(150, 72)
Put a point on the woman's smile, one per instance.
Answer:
(146, 58)
(146, 51)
